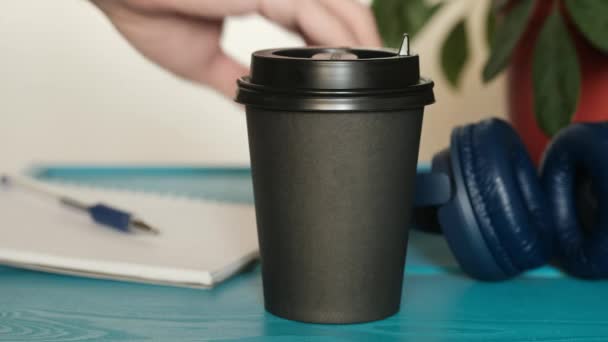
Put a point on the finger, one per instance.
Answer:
(222, 73)
(196, 8)
(106, 5)
(320, 26)
(199, 56)
(358, 18)
(310, 18)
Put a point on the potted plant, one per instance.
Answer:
(555, 53)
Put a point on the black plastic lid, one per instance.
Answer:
(334, 79)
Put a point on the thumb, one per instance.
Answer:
(222, 73)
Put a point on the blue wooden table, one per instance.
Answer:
(439, 303)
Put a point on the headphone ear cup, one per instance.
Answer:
(458, 222)
(505, 195)
(581, 150)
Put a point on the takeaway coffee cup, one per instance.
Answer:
(333, 137)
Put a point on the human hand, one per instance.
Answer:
(183, 36)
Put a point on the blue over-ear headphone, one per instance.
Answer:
(501, 218)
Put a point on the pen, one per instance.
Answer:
(101, 213)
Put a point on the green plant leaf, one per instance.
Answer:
(556, 76)
(490, 26)
(455, 53)
(591, 17)
(396, 17)
(508, 33)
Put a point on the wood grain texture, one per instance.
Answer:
(42, 307)
(439, 304)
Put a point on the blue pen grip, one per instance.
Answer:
(111, 217)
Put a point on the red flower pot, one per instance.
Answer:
(593, 100)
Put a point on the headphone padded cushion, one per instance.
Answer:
(506, 196)
(579, 147)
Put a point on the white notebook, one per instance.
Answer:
(201, 242)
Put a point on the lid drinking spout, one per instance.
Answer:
(404, 50)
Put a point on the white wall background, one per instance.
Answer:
(72, 91)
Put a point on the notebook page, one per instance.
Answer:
(198, 239)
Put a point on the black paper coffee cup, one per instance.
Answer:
(333, 137)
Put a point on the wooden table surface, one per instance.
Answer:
(439, 303)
